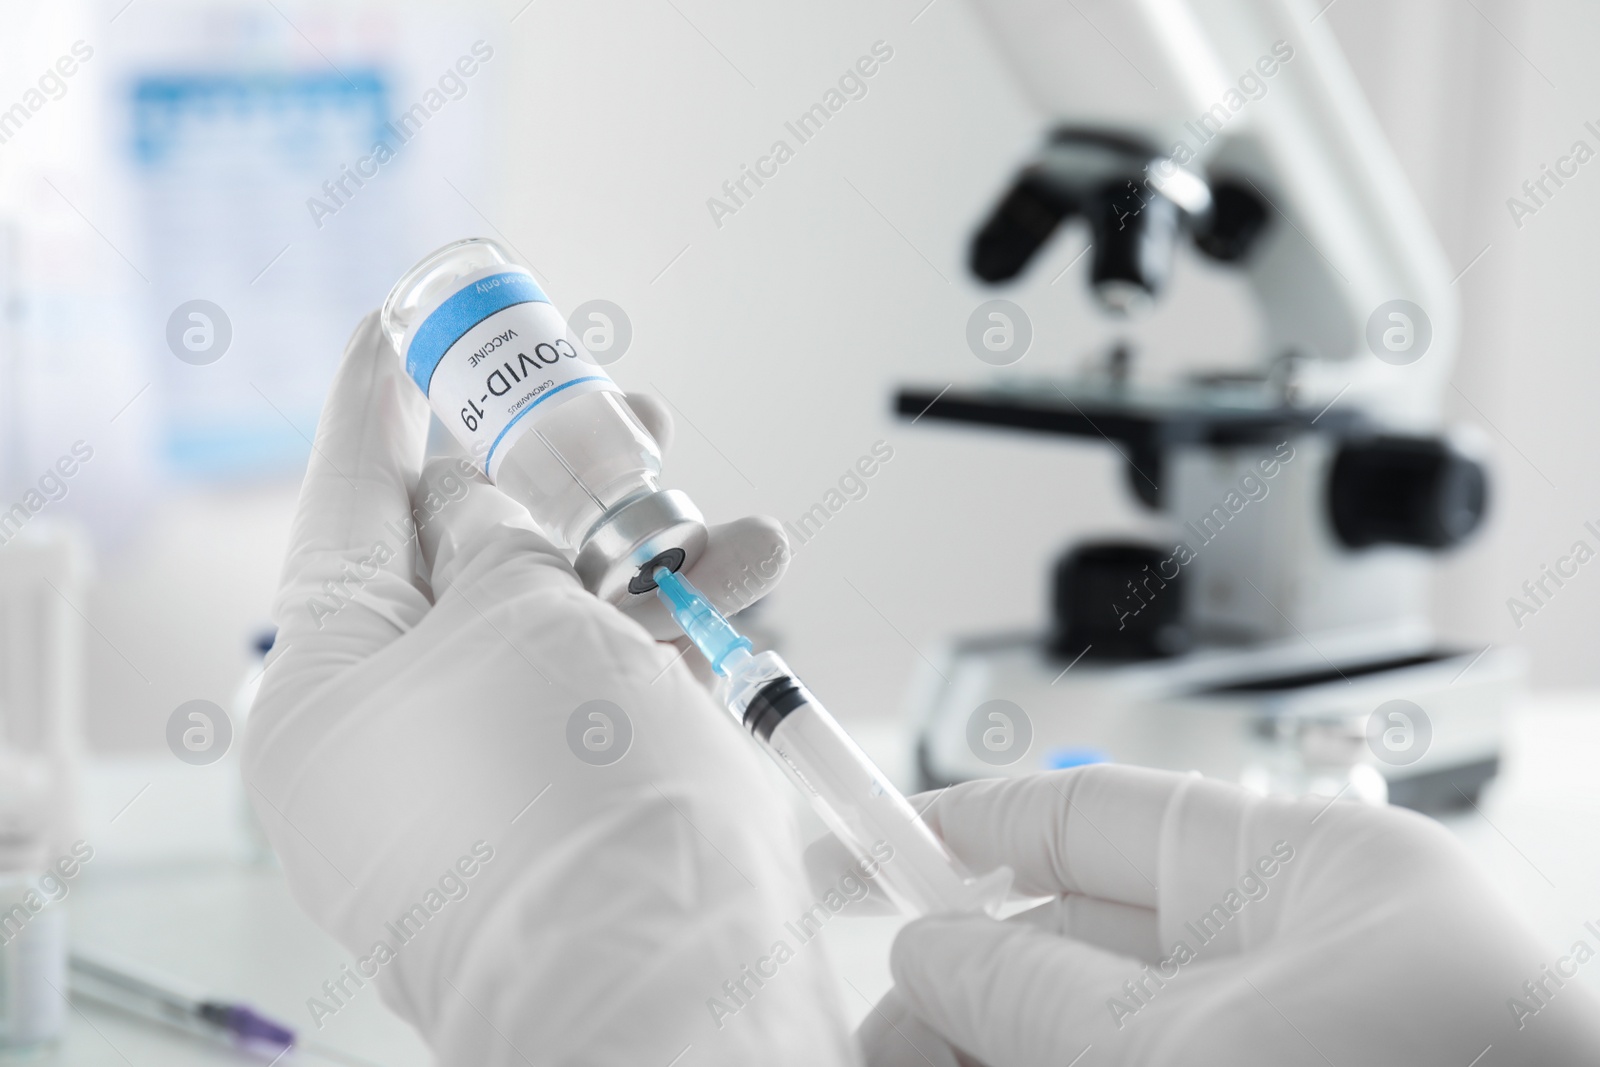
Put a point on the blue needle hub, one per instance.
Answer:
(712, 634)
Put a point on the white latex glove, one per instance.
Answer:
(1372, 941)
(409, 756)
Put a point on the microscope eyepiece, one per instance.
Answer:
(1137, 203)
(1018, 228)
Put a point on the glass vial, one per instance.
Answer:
(33, 921)
(542, 419)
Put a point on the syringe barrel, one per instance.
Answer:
(861, 806)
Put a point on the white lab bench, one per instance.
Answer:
(178, 903)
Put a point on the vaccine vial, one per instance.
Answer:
(544, 421)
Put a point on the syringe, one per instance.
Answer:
(854, 799)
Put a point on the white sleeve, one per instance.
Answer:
(517, 904)
(409, 757)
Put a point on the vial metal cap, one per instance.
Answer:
(659, 529)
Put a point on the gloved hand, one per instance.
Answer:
(450, 804)
(1192, 922)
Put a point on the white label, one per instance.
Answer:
(506, 372)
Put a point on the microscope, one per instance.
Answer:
(1278, 634)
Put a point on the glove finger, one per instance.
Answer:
(457, 511)
(1092, 830)
(743, 561)
(349, 584)
(655, 417)
(1125, 929)
(1007, 993)
(892, 1036)
(830, 866)
(1117, 833)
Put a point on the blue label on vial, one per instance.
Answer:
(460, 313)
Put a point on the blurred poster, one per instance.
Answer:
(225, 163)
(282, 162)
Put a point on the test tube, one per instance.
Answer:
(851, 795)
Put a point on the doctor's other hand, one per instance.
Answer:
(523, 817)
(1192, 922)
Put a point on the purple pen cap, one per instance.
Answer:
(244, 1024)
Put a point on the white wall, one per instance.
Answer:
(1532, 375)
(781, 335)
(1475, 98)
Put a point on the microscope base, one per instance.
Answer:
(1282, 719)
